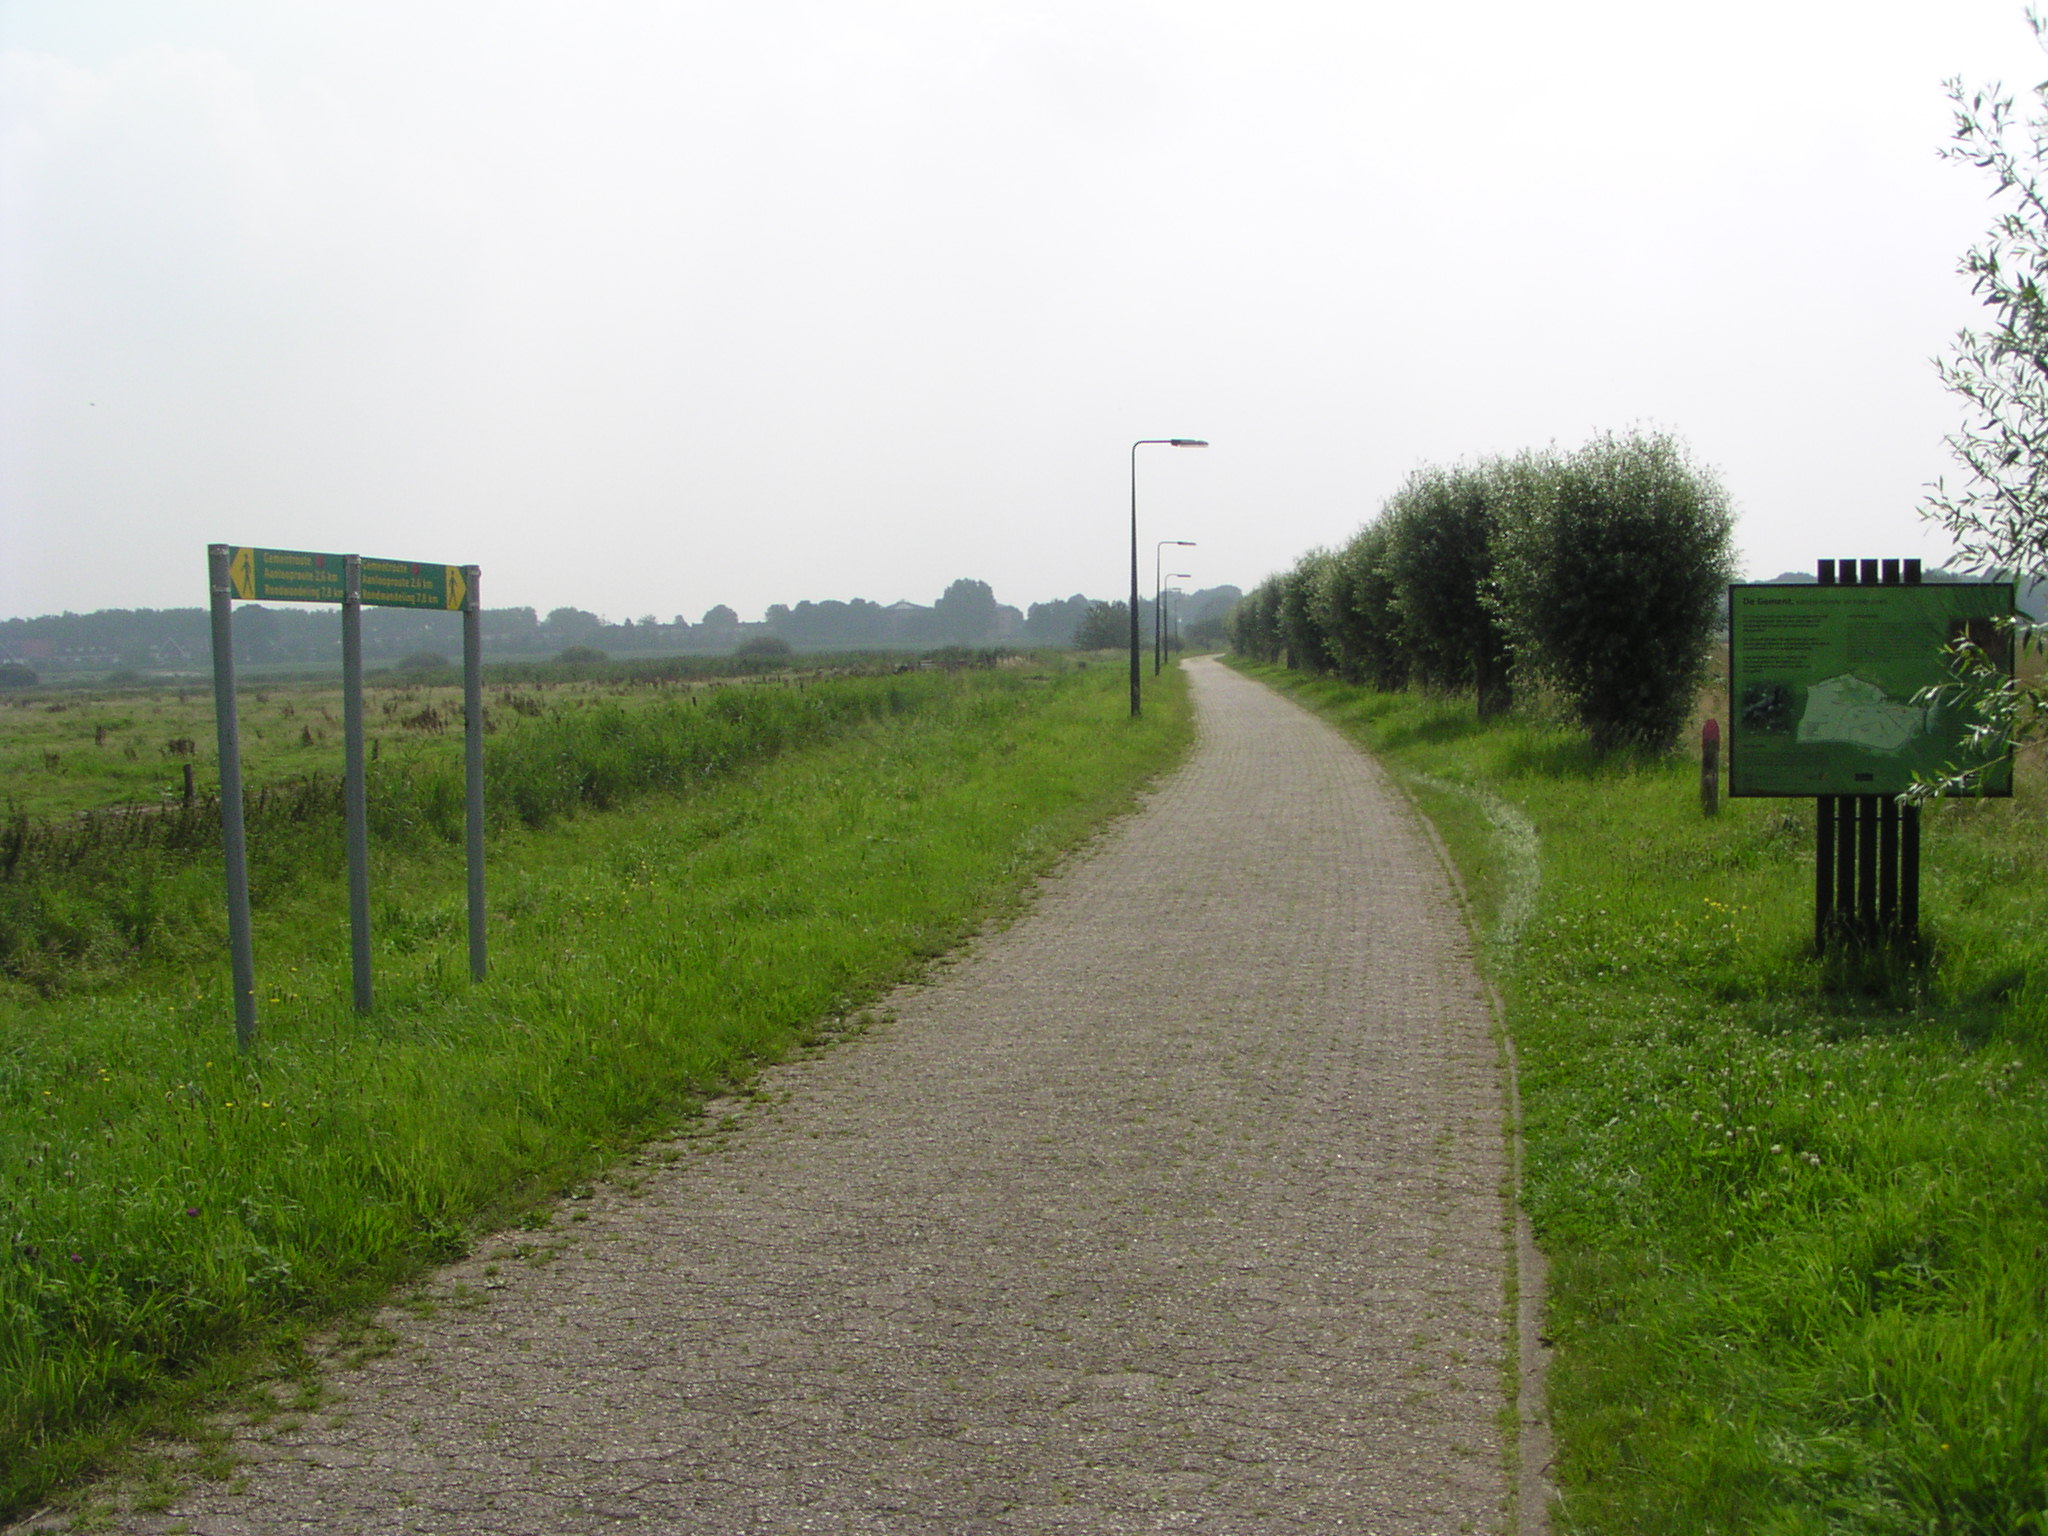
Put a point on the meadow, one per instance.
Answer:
(1796, 1211)
(69, 749)
(684, 884)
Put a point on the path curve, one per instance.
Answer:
(1176, 1206)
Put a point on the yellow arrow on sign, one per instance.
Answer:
(458, 588)
(242, 573)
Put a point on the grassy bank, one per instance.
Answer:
(165, 1202)
(1797, 1215)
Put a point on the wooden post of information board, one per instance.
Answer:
(1866, 850)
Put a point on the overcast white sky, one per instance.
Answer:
(648, 306)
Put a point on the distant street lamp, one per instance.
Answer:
(1158, 629)
(1170, 442)
(1174, 592)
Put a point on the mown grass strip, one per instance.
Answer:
(1797, 1215)
(164, 1202)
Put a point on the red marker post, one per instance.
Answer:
(1710, 768)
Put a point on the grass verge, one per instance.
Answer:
(167, 1203)
(1796, 1214)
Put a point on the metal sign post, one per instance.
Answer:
(306, 576)
(233, 837)
(473, 763)
(355, 785)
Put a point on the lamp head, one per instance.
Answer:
(1188, 442)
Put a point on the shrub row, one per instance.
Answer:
(1597, 574)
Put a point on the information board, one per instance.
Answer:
(1822, 683)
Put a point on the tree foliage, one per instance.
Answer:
(1106, 627)
(1439, 555)
(1596, 574)
(1999, 515)
(1609, 571)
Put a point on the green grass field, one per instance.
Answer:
(1797, 1215)
(71, 749)
(759, 873)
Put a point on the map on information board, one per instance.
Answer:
(1823, 685)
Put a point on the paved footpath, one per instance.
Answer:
(1176, 1206)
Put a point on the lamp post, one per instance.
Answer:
(1158, 627)
(1173, 576)
(1170, 442)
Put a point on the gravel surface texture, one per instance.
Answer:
(1182, 1204)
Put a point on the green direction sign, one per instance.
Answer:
(1821, 685)
(303, 576)
(408, 584)
(284, 575)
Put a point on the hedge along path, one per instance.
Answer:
(1182, 1204)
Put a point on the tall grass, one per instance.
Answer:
(1797, 1214)
(87, 896)
(163, 1201)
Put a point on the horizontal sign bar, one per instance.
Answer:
(408, 584)
(306, 576)
(285, 575)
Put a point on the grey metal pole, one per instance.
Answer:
(1171, 442)
(473, 764)
(1134, 570)
(1158, 564)
(355, 793)
(233, 834)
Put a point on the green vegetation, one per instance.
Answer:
(770, 860)
(1595, 575)
(1999, 516)
(1796, 1214)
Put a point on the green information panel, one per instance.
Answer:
(1821, 685)
(408, 584)
(284, 576)
(303, 576)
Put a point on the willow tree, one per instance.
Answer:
(1998, 515)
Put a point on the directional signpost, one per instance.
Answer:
(1825, 687)
(248, 574)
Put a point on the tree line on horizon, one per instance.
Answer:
(967, 613)
(1595, 575)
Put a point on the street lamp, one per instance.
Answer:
(1172, 576)
(1170, 442)
(1158, 630)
